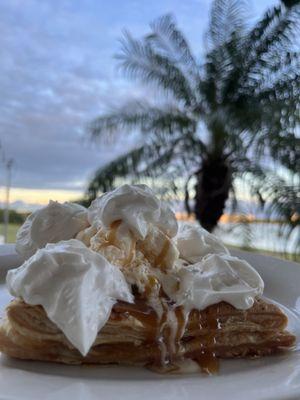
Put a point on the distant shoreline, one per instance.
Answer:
(233, 218)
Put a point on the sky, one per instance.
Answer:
(58, 72)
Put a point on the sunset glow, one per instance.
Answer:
(40, 196)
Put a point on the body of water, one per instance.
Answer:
(258, 235)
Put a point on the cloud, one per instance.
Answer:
(57, 73)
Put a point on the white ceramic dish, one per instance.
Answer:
(270, 378)
(9, 258)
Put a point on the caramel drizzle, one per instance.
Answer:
(145, 314)
(112, 234)
(171, 345)
(170, 329)
(152, 281)
(182, 318)
(131, 253)
(161, 330)
(160, 258)
(163, 335)
(206, 358)
(111, 240)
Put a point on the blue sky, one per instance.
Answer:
(57, 72)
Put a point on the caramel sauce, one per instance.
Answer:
(165, 331)
(131, 253)
(159, 260)
(163, 338)
(168, 330)
(111, 240)
(152, 281)
(143, 313)
(112, 235)
(208, 362)
(182, 318)
(169, 342)
(206, 357)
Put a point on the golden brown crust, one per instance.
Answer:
(129, 335)
(124, 353)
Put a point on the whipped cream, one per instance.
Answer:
(137, 207)
(76, 286)
(50, 224)
(216, 278)
(194, 242)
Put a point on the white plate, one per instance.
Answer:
(8, 259)
(272, 378)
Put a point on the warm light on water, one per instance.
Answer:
(249, 232)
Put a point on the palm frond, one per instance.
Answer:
(281, 202)
(285, 202)
(247, 64)
(139, 60)
(275, 32)
(166, 119)
(105, 177)
(227, 16)
(285, 148)
(222, 71)
(147, 161)
(263, 25)
(167, 38)
(290, 3)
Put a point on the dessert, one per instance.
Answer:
(123, 284)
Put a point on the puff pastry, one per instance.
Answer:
(134, 335)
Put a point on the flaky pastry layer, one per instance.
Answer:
(132, 334)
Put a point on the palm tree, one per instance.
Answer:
(234, 113)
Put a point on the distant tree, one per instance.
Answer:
(232, 114)
(14, 216)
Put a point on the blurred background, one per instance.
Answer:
(199, 99)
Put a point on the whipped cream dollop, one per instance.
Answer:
(216, 278)
(137, 207)
(194, 242)
(76, 286)
(50, 224)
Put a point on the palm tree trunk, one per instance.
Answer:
(214, 181)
